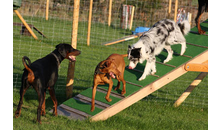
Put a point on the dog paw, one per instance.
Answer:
(142, 78)
(123, 92)
(167, 60)
(153, 72)
(201, 32)
(17, 114)
(55, 114)
(108, 99)
(182, 53)
(183, 49)
(39, 121)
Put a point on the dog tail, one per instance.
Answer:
(31, 76)
(124, 55)
(184, 27)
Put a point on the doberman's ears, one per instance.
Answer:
(61, 49)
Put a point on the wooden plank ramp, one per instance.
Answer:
(79, 106)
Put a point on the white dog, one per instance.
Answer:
(163, 34)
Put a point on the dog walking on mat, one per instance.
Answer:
(112, 67)
(161, 36)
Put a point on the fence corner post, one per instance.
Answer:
(71, 67)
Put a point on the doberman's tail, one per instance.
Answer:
(124, 55)
(31, 76)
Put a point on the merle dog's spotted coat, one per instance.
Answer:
(163, 34)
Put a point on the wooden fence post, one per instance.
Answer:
(176, 7)
(109, 12)
(89, 22)
(170, 2)
(132, 17)
(71, 67)
(47, 9)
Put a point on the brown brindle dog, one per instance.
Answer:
(112, 67)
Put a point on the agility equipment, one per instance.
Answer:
(25, 31)
(26, 28)
(196, 55)
(25, 24)
(140, 30)
(127, 38)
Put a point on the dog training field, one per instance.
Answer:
(154, 111)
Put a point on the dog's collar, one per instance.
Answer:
(58, 61)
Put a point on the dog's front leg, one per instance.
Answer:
(123, 90)
(146, 71)
(93, 96)
(170, 53)
(43, 112)
(53, 97)
(183, 48)
(150, 65)
(109, 91)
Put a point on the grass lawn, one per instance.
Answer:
(153, 112)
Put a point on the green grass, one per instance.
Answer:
(153, 112)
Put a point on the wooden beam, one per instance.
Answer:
(195, 83)
(197, 67)
(71, 67)
(25, 24)
(89, 22)
(128, 101)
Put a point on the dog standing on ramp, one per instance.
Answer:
(112, 67)
(161, 36)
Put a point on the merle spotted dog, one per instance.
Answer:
(161, 36)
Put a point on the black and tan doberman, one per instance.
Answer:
(203, 7)
(42, 75)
